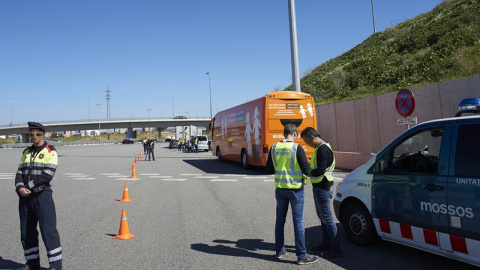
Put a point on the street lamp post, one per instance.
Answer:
(210, 88)
(99, 128)
(294, 46)
(373, 18)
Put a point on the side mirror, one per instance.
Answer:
(381, 166)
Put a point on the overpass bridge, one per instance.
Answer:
(129, 124)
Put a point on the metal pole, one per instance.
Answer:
(99, 128)
(294, 46)
(373, 18)
(210, 87)
(11, 121)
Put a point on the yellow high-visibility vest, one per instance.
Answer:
(329, 171)
(287, 170)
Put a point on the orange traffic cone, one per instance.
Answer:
(124, 231)
(134, 172)
(136, 160)
(140, 154)
(126, 197)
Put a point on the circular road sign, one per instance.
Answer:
(405, 102)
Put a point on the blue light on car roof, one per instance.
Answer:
(469, 105)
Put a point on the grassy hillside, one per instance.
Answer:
(437, 46)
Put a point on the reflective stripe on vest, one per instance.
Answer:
(328, 172)
(287, 171)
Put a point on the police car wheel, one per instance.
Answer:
(358, 225)
(245, 164)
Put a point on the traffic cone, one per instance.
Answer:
(124, 231)
(126, 197)
(134, 172)
(140, 154)
(136, 160)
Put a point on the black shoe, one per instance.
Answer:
(332, 254)
(281, 254)
(308, 260)
(28, 267)
(52, 268)
(321, 247)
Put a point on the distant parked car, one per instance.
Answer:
(203, 143)
(173, 144)
(128, 141)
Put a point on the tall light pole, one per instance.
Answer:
(294, 46)
(99, 128)
(373, 18)
(210, 87)
(11, 120)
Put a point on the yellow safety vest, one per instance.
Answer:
(44, 161)
(329, 171)
(287, 170)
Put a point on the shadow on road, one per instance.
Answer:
(7, 264)
(242, 248)
(226, 167)
(382, 254)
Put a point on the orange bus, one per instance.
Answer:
(246, 132)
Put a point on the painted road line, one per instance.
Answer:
(73, 173)
(223, 180)
(128, 179)
(268, 180)
(85, 178)
(110, 174)
(78, 175)
(255, 177)
(7, 178)
(161, 176)
(148, 174)
(208, 177)
(171, 179)
(191, 174)
(1, 174)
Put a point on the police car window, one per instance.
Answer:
(419, 153)
(467, 158)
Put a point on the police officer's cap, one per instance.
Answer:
(36, 125)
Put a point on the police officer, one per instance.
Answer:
(195, 142)
(151, 146)
(288, 161)
(32, 183)
(145, 146)
(321, 177)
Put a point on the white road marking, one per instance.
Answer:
(73, 173)
(191, 174)
(78, 175)
(86, 178)
(202, 177)
(268, 180)
(128, 179)
(7, 178)
(255, 177)
(148, 174)
(110, 174)
(161, 176)
(171, 179)
(2, 174)
(223, 180)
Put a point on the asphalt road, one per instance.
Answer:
(189, 211)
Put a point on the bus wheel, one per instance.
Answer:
(245, 164)
(219, 155)
(358, 225)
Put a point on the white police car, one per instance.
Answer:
(421, 190)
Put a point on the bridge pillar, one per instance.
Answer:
(25, 138)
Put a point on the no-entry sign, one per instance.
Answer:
(405, 102)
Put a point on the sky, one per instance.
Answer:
(57, 57)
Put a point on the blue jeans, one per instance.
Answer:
(297, 202)
(323, 205)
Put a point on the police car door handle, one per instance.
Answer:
(432, 187)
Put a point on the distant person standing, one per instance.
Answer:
(151, 147)
(288, 161)
(321, 177)
(180, 144)
(36, 207)
(195, 142)
(145, 146)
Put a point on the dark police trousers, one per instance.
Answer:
(39, 208)
(151, 153)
